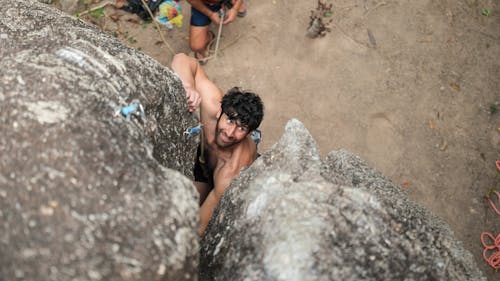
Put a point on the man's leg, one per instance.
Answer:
(198, 41)
(199, 36)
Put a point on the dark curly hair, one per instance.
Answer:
(244, 106)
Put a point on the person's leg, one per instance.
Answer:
(199, 35)
(198, 41)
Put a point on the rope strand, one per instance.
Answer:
(494, 259)
(158, 27)
(493, 205)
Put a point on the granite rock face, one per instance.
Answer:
(292, 216)
(85, 193)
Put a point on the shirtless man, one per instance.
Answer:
(227, 145)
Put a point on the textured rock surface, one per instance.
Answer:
(82, 193)
(291, 216)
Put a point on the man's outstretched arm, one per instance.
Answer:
(187, 69)
(199, 89)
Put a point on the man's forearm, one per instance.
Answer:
(222, 180)
(206, 210)
(186, 68)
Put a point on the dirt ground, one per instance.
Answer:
(417, 100)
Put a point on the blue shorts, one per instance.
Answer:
(200, 19)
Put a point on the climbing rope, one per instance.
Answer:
(493, 204)
(222, 15)
(494, 259)
(157, 27)
(492, 244)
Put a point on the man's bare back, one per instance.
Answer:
(226, 121)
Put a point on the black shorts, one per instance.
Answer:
(201, 171)
(200, 19)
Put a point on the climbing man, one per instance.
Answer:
(227, 121)
(203, 12)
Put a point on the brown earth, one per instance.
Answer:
(416, 101)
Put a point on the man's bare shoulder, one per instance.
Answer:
(245, 153)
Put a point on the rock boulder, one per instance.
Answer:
(291, 216)
(86, 193)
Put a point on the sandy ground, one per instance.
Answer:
(415, 101)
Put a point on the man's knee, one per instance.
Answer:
(197, 42)
(197, 46)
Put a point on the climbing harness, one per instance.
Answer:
(493, 259)
(158, 27)
(490, 200)
(135, 108)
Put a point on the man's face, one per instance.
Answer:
(229, 132)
